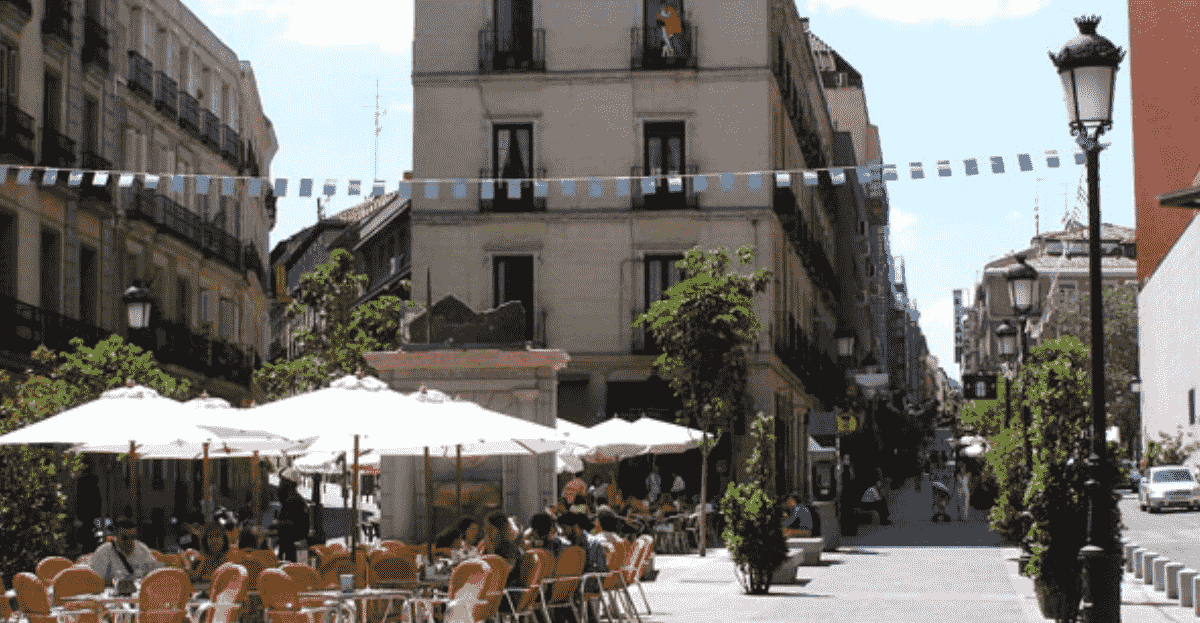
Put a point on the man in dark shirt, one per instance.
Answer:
(292, 524)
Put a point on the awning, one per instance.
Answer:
(1183, 198)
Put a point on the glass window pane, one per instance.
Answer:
(654, 155)
(674, 155)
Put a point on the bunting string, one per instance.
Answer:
(512, 187)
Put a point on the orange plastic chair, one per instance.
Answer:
(610, 583)
(568, 572)
(522, 601)
(469, 579)
(50, 567)
(336, 566)
(306, 579)
(494, 587)
(32, 599)
(281, 599)
(74, 581)
(163, 596)
(392, 570)
(632, 574)
(5, 609)
(229, 590)
(338, 548)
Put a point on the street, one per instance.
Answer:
(1171, 533)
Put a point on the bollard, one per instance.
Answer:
(1137, 561)
(1129, 548)
(1186, 594)
(1147, 570)
(1160, 581)
(1172, 571)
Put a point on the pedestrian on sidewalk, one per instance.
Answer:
(872, 500)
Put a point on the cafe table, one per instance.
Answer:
(123, 608)
(346, 600)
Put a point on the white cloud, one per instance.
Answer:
(352, 22)
(902, 237)
(1015, 215)
(931, 10)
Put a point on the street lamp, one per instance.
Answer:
(1088, 67)
(845, 342)
(1135, 387)
(139, 302)
(1006, 337)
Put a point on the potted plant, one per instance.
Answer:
(1057, 394)
(754, 518)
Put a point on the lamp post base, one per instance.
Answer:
(1101, 586)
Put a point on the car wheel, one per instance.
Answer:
(1153, 510)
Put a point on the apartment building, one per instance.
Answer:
(146, 88)
(587, 90)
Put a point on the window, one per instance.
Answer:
(8, 70)
(8, 254)
(91, 125)
(514, 32)
(89, 284)
(662, 47)
(226, 319)
(663, 156)
(1054, 247)
(513, 281)
(52, 102)
(131, 267)
(50, 266)
(91, 8)
(661, 274)
(1077, 247)
(205, 301)
(512, 158)
(1067, 293)
(1192, 406)
(862, 227)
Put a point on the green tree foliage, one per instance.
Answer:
(753, 517)
(1003, 466)
(33, 507)
(341, 333)
(705, 325)
(1120, 348)
(1169, 450)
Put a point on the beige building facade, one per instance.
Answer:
(589, 89)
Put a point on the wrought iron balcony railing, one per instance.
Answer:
(189, 113)
(88, 190)
(23, 7)
(510, 195)
(651, 49)
(253, 262)
(57, 150)
(58, 20)
(166, 96)
(668, 192)
(95, 44)
(141, 76)
(229, 145)
(177, 344)
(17, 133)
(24, 327)
(512, 51)
(222, 245)
(211, 134)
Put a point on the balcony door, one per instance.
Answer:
(89, 285)
(52, 102)
(512, 158)
(663, 156)
(8, 72)
(514, 33)
(51, 262)
(660, 275)
(663, 31)
(513, 281)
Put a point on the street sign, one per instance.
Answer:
(979, 386)
(847, 423)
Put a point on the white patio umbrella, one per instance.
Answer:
(617, 439)
(568, 458)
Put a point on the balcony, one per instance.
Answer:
(29, 326)
(211, 134)
(189, 113)
(57, 22)
(514, 52)
(229, 145)
(89, 191)
(222, 245)
(176, 344)
(502, 202)
(174, 219)
(95, 45)
(166, 96)
(253, 262)
(663, 197)
(805, 242)
(17, 134)
(269, 202)
(168, 216)
(58, 151)
(21, 10)
(648, 51)
(141, 77)
(819, 373)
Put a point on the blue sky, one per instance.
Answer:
(945, 80)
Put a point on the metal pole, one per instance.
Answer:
(254, 473)
(428, 508)
(1007, 401)
(1102, 573)
(134, 507)
(207, 502)
(458, 479)
(356, 518)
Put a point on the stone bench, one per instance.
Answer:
(801, 552)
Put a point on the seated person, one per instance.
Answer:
(125, 557)
(248, 541)
(499, 540)
(214, 552)
(580, 505)
(542, 534)
(801, 522)
(609, 525)
(872, 500)
(638, 506)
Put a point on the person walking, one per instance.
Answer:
(653, 485)
(292, 523)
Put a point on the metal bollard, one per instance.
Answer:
(1160, 581)
(1172, 571)
(1137, 561)
(1129, 548)
(1186, 592)
(1147, 570)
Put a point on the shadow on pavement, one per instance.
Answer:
(913, 526)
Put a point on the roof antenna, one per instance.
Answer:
(378, 127)
(320, 210)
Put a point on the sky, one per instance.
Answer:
(944, 80)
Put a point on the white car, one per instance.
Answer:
(1169, 485)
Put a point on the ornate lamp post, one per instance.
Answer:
(1135, 387)
(1006, 337)
(1088, 67)
(845, 342)
(139, 303)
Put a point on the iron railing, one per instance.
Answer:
(510, 51)
(24, 327)
(177, 344)
(211, 135)
(252, 260)
(815, 368)
(664, 195)
(141, 76)
(87, 190)
(166, 97)
(189, 113)
(502, 201)
(57, 150)
(58, 20)
(95, 44)
(24, 7)
(648, 50)
(805, 241)
(17, 133)
(229, 145)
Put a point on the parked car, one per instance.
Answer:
(1168, 485)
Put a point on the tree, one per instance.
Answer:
(1168, 450)
(753, 517)
(705, 325)
(33, 506)
(1120, 348)
(342, 332)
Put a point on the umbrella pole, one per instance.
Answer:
(354, 526)
(256, 487)
(133, 505)
(458, 479)
(428, 506)
(206, 503)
